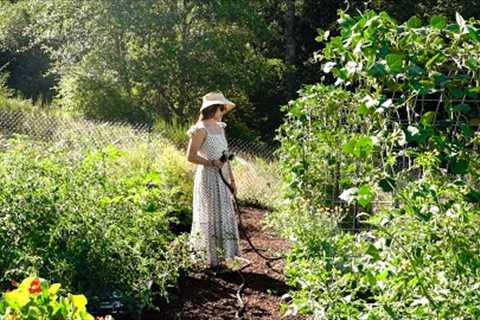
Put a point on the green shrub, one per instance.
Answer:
(101, 98)
(9, 101)
(406, 168)
(420, 261)
(167, 175)
(96, 223)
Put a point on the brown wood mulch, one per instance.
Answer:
(212, 296)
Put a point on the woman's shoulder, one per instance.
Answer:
(209, 128)
(197, 127)
(210, 125)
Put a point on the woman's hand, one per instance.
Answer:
(217, 163)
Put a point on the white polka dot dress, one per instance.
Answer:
(214, 234)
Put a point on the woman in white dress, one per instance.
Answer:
(214, 235)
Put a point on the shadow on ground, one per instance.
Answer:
(212, 296)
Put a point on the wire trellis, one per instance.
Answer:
(407, 117)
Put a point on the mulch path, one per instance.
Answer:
(212, 296)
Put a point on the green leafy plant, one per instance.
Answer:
(392, 142)
(35, 298)
(91, 224)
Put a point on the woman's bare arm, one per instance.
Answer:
(196, 140)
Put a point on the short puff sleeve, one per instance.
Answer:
(195, 129)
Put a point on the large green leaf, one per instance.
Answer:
(360, 147)
(365, 195)
(459, 166)
(427, 118)
(462, 107)
(414, 70)
(458, 93)
(440, 79)
(373, 252)
(473, 34)
(17, 298)
(79, 301)
(472, 63)
(414, 22)
(394, 62)
(363, 109)
(467, 130)
(377, 70)
(473, 196)
(438, 22)
(433, 59)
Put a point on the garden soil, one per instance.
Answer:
(212, 295)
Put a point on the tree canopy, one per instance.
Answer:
(144, 60)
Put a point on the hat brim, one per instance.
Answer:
(229, 104)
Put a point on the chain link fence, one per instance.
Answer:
(254, 166)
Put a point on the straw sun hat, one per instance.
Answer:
(212, 98)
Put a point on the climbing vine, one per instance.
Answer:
(394, 142)
(422, 82)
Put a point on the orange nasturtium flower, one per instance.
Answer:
(35, 286)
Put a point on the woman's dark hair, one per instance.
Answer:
(209, 112)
